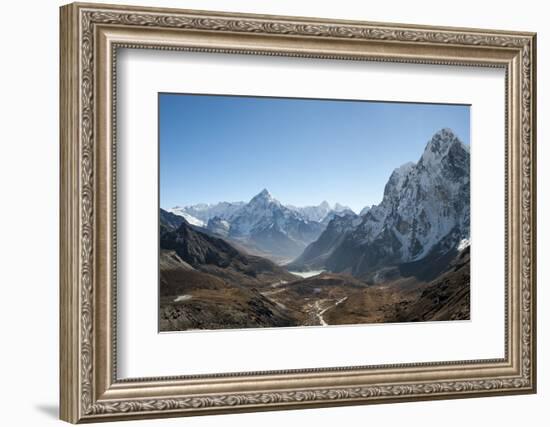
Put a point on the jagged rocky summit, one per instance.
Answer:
(424, 213)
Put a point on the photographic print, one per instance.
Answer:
(299, 182)
(287, 212)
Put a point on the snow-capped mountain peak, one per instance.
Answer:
(321, 213)
(425, 209)
(424, 204)
(341, 208)
(272, 227)
(365, 210)
(439, 146)
(264, 197)
(201, 213)
(398, 177)
(180, 211)
(265, 193)
(263, 208)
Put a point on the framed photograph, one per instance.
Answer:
(265, 212)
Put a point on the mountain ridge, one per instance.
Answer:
(425, 204)
(263, 225)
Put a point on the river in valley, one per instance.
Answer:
(306, 274)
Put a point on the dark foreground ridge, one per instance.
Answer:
(205, 283)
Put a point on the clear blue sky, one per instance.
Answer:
(228, 148)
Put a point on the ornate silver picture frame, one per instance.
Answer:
(91, 36)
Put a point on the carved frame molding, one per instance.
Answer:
(90, 36)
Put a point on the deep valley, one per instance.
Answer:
(264, 264)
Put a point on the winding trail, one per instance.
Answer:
(274, 292)
(320, 311)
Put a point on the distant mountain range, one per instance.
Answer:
(264, 226)
(201, 213)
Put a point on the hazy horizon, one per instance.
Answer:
(303, 151)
